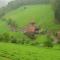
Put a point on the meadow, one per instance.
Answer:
(10, 51)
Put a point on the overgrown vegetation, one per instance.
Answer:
(57, 10)
(7, 37)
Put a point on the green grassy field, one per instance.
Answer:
(10, 51)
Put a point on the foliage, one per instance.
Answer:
(7, 37)
(48, 42)
(57, 10)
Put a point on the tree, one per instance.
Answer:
(57, 10)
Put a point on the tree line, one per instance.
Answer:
(57, 10)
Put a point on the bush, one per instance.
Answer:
(13, 39)
(6, 37)
(48, 42)
(57, 10)
(1, 37)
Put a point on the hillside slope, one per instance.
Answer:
(43, 15)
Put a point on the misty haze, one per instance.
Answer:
(4, 2)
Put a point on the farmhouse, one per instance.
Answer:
(32, 28)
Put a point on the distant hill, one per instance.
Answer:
(18, 3)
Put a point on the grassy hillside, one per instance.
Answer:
(10, 51)
(43, 15)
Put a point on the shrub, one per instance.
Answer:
(13, 39)
(1, 37)
(5, 37)
(48, 42)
